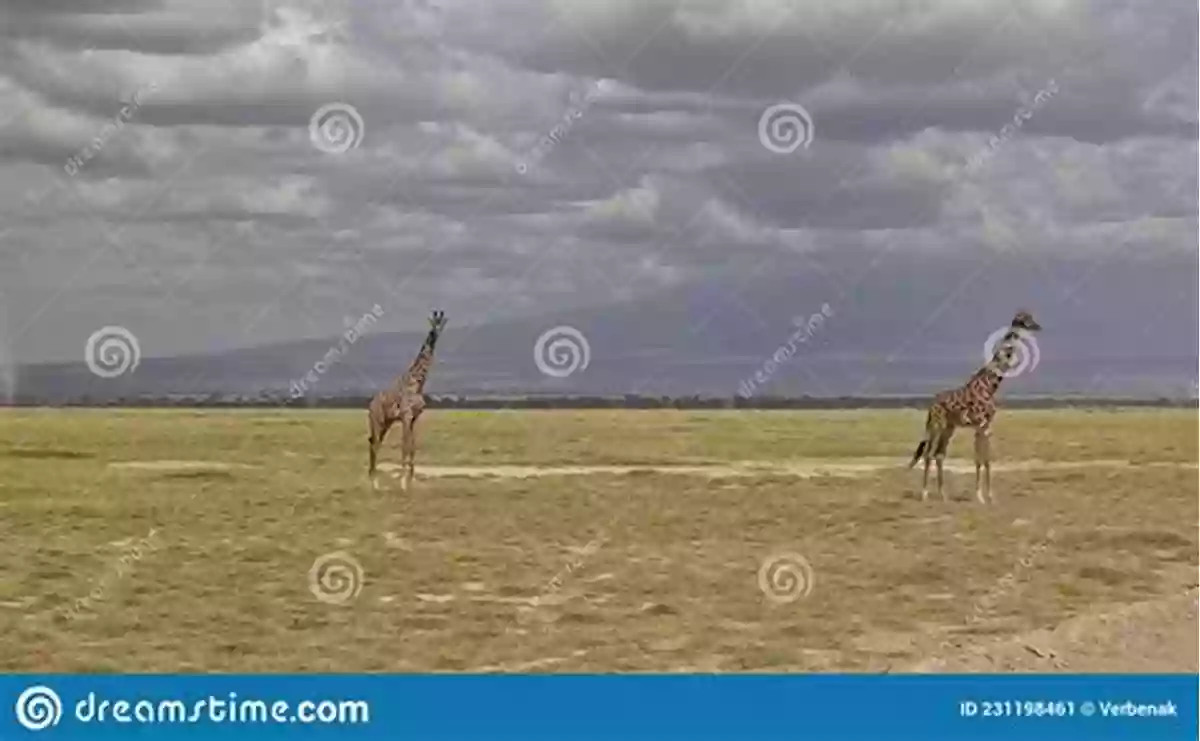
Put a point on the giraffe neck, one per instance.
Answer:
(414, 379)
(986, 381)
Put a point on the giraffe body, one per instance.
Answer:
(972, 405)
(403, 403)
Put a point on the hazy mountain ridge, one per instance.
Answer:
(879, 338)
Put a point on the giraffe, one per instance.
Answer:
(971, 405)
(403, 402)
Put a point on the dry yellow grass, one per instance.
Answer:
(642, 571)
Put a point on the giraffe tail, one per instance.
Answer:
(920, 450)
(925, 441)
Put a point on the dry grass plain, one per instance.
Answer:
(615, 566)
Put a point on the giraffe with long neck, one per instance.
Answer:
(971, 405)
(403, 402)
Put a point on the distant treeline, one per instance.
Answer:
(628, 401)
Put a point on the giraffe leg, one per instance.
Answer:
(933, 433)
(980, 442)
(987, 464)
(935, 428)
(925, 479)
(370, 447)
(379, 430)
(410, 443)
(940, 456)
(372, 451)
(405, 434)
(932, 440)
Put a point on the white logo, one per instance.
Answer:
(785, 577)
(561, 351)
(1022, 351)
(336, 128)
(111, 351)
(785, 127)
(38, 708)
(335, 578)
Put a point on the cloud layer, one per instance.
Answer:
(518, 157)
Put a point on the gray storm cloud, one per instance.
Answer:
(209, 220)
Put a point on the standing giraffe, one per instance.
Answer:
(403, 402)
(971, 405)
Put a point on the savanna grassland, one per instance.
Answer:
(170, 540)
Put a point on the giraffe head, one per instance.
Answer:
(1024, 320)
(437, 322)
(1014, 350)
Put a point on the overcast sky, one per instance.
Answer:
(158, 169)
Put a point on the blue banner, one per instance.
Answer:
(622, 708)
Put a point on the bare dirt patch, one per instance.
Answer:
(178, 466)
(44, 454)
(798, 468)
(1152, 636)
